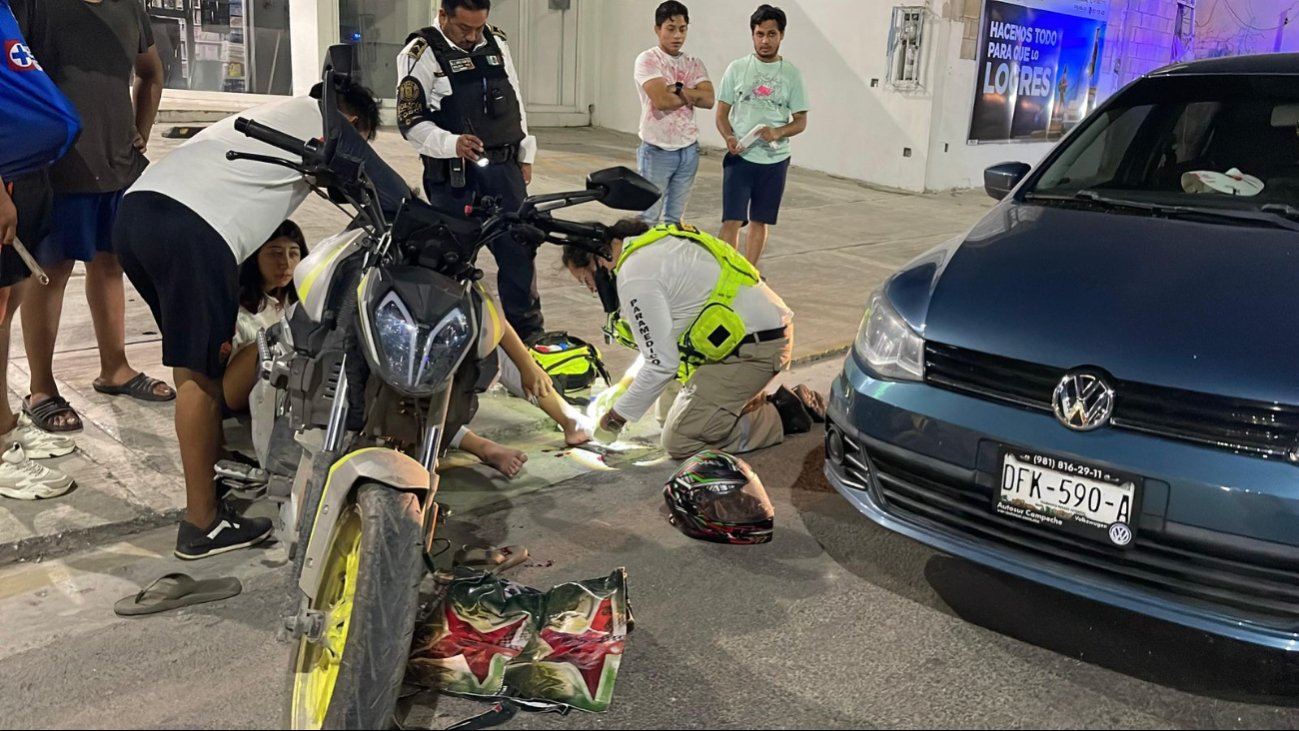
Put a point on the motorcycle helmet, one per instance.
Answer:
(716, 497)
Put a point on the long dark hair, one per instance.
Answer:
(252, 288)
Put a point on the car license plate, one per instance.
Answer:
(1092, 502)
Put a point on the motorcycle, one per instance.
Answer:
(360, 385)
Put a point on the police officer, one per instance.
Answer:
(458, 103)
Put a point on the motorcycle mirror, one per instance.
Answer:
(341, 59)
(340, 72)
(622, 189)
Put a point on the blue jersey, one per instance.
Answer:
(37, 123)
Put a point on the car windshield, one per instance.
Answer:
(1204, 141)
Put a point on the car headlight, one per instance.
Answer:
(417, 358)
(888, 344)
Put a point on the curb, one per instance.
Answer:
(819, 356)
(39, 548)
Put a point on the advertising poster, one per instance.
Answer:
(1039, 65)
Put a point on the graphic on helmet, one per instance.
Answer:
(717, 497)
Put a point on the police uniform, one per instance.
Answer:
(446, 92)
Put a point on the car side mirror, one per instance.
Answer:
(622, 189)
(1000, 180)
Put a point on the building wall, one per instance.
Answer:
(953, 164)
(859, 127)
(855, 129)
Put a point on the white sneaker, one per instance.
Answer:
(23, 479)
(38, 443)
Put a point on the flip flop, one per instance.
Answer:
(141, 387)
(491, 560)
(174, 591)
(44, 414)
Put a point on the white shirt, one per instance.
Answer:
(243, 201)
(249, 324)
(676, 129)
(662, 289)
(428, 138)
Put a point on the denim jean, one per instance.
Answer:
(673, 171)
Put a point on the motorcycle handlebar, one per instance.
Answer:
(288, 143)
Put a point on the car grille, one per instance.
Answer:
(1253, 427)
(1266, 594)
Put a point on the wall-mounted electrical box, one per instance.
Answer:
(906, 47)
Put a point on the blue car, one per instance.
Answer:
(1097, 387)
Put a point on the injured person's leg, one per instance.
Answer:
(507, 461)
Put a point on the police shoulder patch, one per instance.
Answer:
(499, 33)
(408, 91)
(417, 49)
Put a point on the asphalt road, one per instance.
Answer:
(836, 624)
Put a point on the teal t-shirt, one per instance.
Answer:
(762, 93)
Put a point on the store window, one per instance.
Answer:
(379, 29)
(237, 46)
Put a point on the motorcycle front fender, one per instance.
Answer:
(374, 465)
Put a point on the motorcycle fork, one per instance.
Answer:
(430, 453)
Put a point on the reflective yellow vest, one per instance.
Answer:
(718, 329)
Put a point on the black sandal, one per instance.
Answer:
(174, 591)
(141, 387)
(45, 415)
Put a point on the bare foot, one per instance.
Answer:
(506, 461)
(574, 433)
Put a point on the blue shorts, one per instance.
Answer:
(752, 191)
(82, 227)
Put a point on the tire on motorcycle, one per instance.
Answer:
(388, 569)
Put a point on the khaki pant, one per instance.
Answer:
(724, 405)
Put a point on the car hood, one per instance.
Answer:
(1204, 307)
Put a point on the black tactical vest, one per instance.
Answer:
(483, 102)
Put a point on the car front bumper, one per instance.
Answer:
(1217, 545)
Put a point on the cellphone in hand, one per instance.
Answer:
(752, 136)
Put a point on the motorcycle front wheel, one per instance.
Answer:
(369, 592)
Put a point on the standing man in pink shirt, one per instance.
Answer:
(672, 85)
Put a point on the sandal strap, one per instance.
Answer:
(144, 385)
(53, 406)
(184, 585)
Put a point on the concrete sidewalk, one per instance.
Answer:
(836, 241)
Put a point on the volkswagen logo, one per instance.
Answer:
(1083, 401)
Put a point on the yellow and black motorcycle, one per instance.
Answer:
(362, 382)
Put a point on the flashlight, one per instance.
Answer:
(469, 124)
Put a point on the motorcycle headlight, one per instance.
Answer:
(888, 344)
(413, 357)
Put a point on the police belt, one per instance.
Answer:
(498, 155)
(494, 156)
